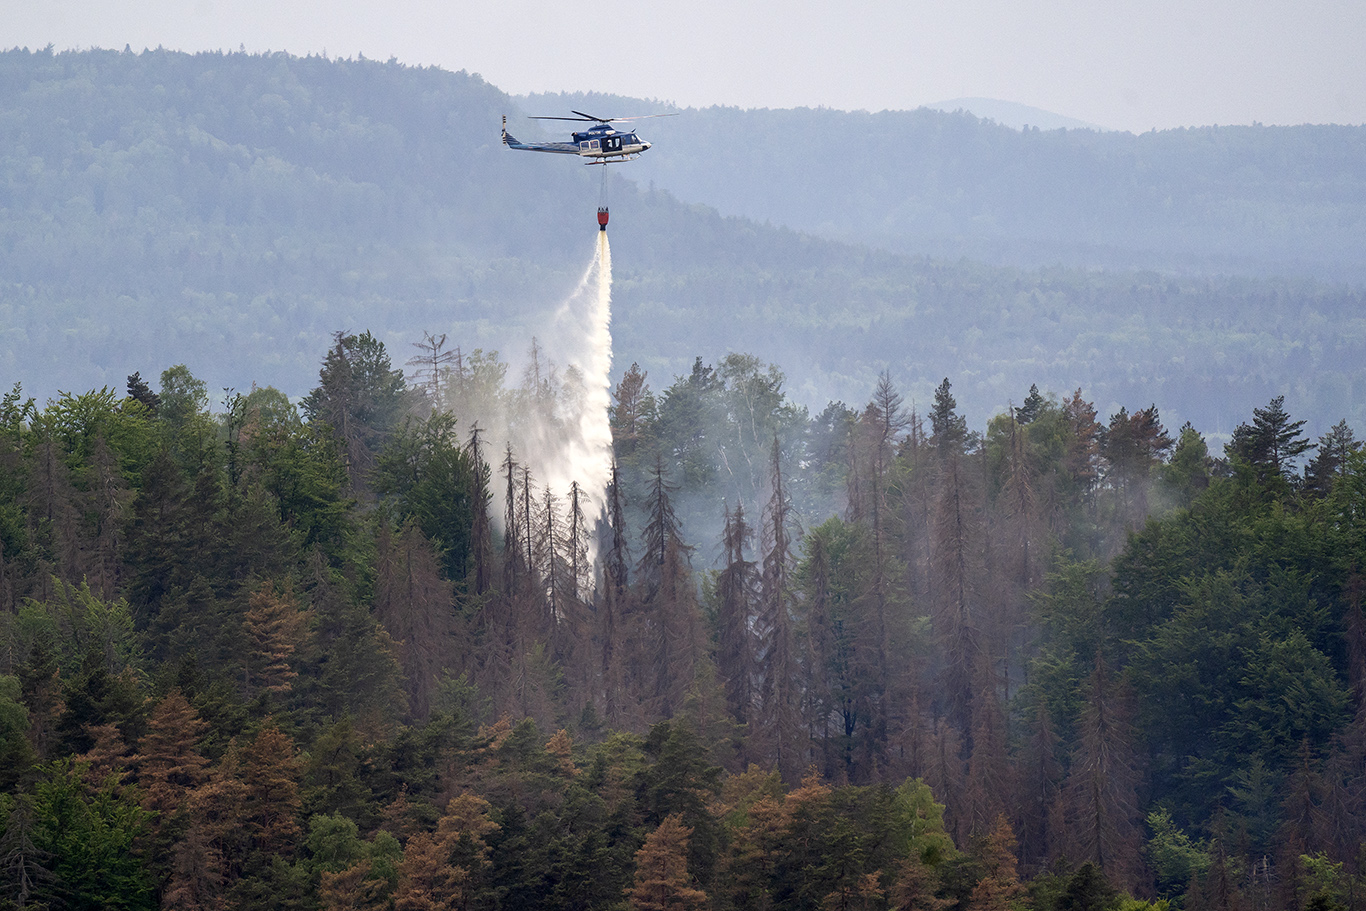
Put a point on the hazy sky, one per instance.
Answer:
(1129, 64)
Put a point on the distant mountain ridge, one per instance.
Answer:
(1014, 115)
(231, 211)
(1253, 200)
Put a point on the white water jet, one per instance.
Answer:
(582, 339)
(557, 421)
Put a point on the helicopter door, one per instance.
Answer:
(612, 144)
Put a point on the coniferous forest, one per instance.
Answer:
(344, 654)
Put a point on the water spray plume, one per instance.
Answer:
(556, 424)
(584, 322)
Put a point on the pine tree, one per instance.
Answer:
(361, 397)
(662, 882)
(1132, 446)
(612, 624)
(1020, 509)
(1040, 791)
(107, 760)
(945, 773)
(1272, 443)
(1101, 787)
(440, 869)
(630, 412)
(1330, 459)
(999, 887)
(271, 804)
(413, 602)
(214, 846)
(55, 509)
(868, 610)
(988, 789)
(432, 366)
(914, 888)
(1034, 405)
(41, 690)
(550, 558)
(667, 603)
(1081, 463)
(274, 626)
(737, 591)
(24, 866)
(822, 650)
(778, 695)
(352, 667)
(169, 764)
(1297, 830)
(1339, 817)
(355, 888)
(1088, 890)
(481, 535)
(955, 571)
(110, 500)
(140, 392)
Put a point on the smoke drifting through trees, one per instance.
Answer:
(556, 422)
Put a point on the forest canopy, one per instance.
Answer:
(257, 656)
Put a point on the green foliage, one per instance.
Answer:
(73, 624)
(1187, 473)
(16, 754)
(300, 466)
(1175, 857)
(917, 823)
(430, 477)
(90, 836)
(77, 422)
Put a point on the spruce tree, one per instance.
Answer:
(662, 882)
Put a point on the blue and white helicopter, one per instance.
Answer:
(600, 143)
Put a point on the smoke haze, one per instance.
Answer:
(556, 420)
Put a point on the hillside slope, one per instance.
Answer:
(1247, 200)
(238, 209)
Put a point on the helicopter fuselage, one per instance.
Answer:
(599, 143)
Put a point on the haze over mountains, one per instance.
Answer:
(1014, 115)
(232, 211)
(1212, 200)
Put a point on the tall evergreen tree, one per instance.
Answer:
(413, 602)
(667, 602)
(361, 397)
(1101, 788)
(613, 622)
(779, 716)
(1272, 443)
(737, 592)
(662, 882)
(1330, 459)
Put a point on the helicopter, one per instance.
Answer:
(600, 143)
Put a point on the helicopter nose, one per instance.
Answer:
(645, 145)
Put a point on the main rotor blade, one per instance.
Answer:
(648, 116)
(589, 118)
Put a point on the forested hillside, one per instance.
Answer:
(342, 656)
(237, 210)
(1248, 200)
